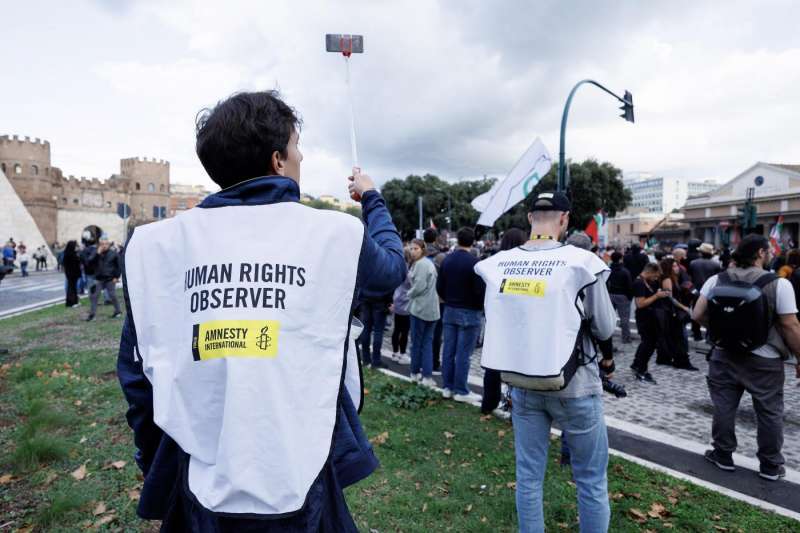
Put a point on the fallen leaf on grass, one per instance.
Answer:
(720, 528)
(447, 451)
(119, 465)
(78, 403)
(512, 485)
(424, 507)
(50, 478)
(484, 418)
(39, 373)
(501, 433)
(448, 435)
(107, 519)
(672, 500)
(468, 508)
(380, 439)
(83, 439)
(716, 517)
(93, 424)
(99, 509)
(637, 515)
(79, 473)
(617, 496)
(134, 494)
(657, 510)
(6, 478)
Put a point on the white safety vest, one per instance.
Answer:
(241, 316)
(533, 309)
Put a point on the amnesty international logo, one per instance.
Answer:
(264, 340)
(524, 287)
(235, 338)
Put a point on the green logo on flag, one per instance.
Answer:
(529, 183)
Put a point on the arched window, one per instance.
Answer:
(108, 205)
(138, 186)
(161, 187)
(46, 171)
(75, 201)
(151, 187)
(63, 199)
(34, 170)
(17, 168)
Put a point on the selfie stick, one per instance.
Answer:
(347, 45)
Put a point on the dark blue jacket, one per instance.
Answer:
(381, 268)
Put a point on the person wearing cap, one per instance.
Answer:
(107, 271)
(701, 270)
(544, 302)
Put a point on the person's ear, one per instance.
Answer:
(278, 163)
(530, 218)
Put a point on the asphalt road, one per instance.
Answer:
(17, 292)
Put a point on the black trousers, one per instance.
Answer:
(491, 391)
(402, 323)
(649, 332)
(72, 291)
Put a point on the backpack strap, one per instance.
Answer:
(764, 280)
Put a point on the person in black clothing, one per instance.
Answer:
(648, 297)
(107, 270)
(700, 269)
(435, 254)
(672, 318)
(635, 260)
(373, 315)
(72, 272)
(491, 378)
(620, 289)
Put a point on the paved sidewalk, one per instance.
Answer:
(679, 404)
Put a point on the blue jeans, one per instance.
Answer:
(581, 421)
(461, 328)
(23, 267)
(373, 316)
(422, 346)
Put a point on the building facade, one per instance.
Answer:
(183, 197)
(662, 194)
(714, 217)
(62, 206)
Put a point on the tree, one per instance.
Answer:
(593, 187)
(401, 199)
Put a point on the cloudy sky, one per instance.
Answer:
(455, 88)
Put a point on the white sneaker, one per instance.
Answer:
(403, 359)
(447, 394)
(416, 377)
(395, 357)
(467, 398)
(428, 382)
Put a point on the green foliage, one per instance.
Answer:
(59, 505)
(404, 395)
(594, 186)
(35, 449)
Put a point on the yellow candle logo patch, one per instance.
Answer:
(235, 338)
(522, 286)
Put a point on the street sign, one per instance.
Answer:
(123, 210)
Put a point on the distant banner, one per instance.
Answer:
(516, 186)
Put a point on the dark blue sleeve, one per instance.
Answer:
(139, 394)
(381, 267)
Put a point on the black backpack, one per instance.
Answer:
(739, 313)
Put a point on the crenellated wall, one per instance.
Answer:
(142, 183)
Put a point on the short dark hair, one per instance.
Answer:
(430, 235)
(465, 236)
(512, 238)
(651, 268)
(616, 257)
(236, 139)
(746, 252)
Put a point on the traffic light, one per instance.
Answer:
(627, 107)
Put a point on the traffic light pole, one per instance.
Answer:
(627, 108)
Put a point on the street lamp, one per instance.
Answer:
(449, 209)
(627, 114)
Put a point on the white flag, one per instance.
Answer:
(518, 184)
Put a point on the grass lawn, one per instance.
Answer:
(66, 453)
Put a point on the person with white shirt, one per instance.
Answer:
(759, 371)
